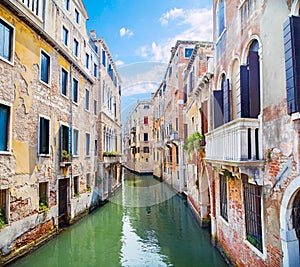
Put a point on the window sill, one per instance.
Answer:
(6, 153)
(223, 220)
(46, 84)
(255, 250)
(64, 96)
(44, 155)
(8, 61)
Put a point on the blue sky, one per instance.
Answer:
(145, 30)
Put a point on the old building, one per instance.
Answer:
(252, 144)
(196, 85)
(169, 118)
(138, 153)
(51, 131)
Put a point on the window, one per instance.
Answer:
(220, 17)
(43, 199)
(64, 81)
(88, 181)
(95, 107)
(75, 141)
(252, 204)
(146, 149)
(76, 48)
(64, 139)
(75, 90)
(76, 186)
(95, 70)
(65, 36)
(146, 107)
(223, 197)
(250, 84)
(45, 68)
(44, 136)
(103, 58)
(6, 41)
(96, 148)
(87, 99)
(87, 60)
(145, 137)
(76, 16)
(67, 4)
(4, 127)
(3, 206)
(145, 120)
(87, 144)
(292, 56)
(188, 52)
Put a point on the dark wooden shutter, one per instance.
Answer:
(204, 122)
(218, 108)
(226, 100)
(291, 31)
(254, 85)
(244, 83)
(4, 114)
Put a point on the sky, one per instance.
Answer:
(145, 30)
(140, 34)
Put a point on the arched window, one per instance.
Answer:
(250, 83)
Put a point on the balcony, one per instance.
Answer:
(234, 142)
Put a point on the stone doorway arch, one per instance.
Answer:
(288, 224)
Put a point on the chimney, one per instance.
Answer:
(93, 34)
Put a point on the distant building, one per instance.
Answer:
(138, 153)
(52, 141)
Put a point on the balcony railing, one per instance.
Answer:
(237, 140)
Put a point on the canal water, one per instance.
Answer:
(144, 224)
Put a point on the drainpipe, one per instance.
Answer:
(70, 128)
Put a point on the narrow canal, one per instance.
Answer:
(144, 224)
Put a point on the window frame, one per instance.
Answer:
(87, 99)
(75, 144)
(46, 199)
(8, 129)
(73, 90)
(76, 16)
(87, 61)
(39, 136)
(63, 70)
(65, 36)
(87, 144)
(67, 5)
(146, 135)
(76, 48)
(257, 222)
(48, 83)
(223, 187)
(11, 42)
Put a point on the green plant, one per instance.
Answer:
(65, 155)
(227, 173)
(43, 206)
(2, 218)
(192, 143)
(76, 195)
(112, 153)
(88, 188)
(197, 183)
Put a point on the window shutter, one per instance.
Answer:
(218, 108)
(3, 127)
(254, 86)
(291, 31)
(244, 83)
(226, 100)
(42, 136)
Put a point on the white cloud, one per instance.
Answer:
(126, 32)
(119, 62)
(197, 24)
(172, 14)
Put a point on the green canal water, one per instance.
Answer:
(144, 224)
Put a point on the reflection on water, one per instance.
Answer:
(145, 224)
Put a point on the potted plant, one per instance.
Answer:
(65, 155)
